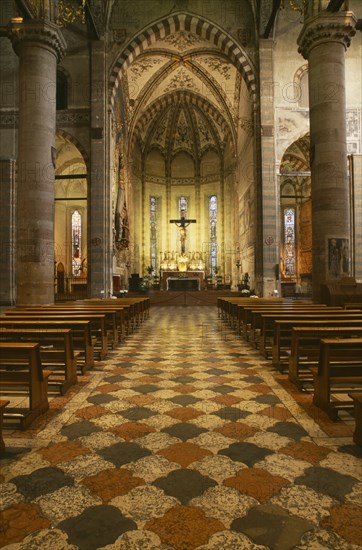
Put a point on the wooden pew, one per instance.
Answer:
(129, 309)
(305, 344)
(243, 313)
(111, 316)
(56, 352)
(265, 341)
(229, 307)
(115, 316)
(140, 306)
(97, 324)
(83, 341)
(282, 335)
(339, 370)
(3, 404)
(357, 400)
(255, 323)
(21, 372)
(353, 305)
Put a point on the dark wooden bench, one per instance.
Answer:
(267, 330)
(236, 308)
(260, 320)
(128, 311)
(243, 313)
(3, 404)
(231, 308)
(282, 334)
(21, 373)
(357, 400)
(249, 319)
(137, 308)
(339, 371)
(56, 351)
(97, 324)
(111, 316)
(304, 351)
(115, 316)
(353, 305)
(83, 341)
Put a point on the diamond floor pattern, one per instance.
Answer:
(183, 439)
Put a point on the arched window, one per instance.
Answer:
(76, 243)
(289, 242)
(153, 233)
(213, 232)
(61, 91)
(182, 207)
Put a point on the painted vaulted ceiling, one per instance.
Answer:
(183, 94)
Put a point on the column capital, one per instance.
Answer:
(39, 32)
(326, 27)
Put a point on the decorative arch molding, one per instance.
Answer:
(77, 144)
(301, 141)
(183, 22)
(300, 72)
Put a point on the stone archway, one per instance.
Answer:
(71, 198)
(182, 89)
(296, 219)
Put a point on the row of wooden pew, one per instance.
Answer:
(43, 349)
(319, 346)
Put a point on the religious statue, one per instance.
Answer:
(182, 223)
(182, 262)
(183, 239)
(196, 262)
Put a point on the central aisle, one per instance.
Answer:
(183, 440)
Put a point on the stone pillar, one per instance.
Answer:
(323, 42)
(270, 193)
(99, 212)
(7, 232)
(39, 45)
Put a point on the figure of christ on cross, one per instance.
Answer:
(182, 223)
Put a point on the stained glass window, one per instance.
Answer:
(289, 242)
(76, 243)
(182, 206)
(213, 236)
(153, 233)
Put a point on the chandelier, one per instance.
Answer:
(68, 12)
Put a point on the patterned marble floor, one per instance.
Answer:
(183, 439)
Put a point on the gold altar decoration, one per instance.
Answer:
(173, 261)
(68, 13)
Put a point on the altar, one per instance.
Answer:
(185, 280)
(183, 284)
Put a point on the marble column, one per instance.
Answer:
(99, 203)
(39, 45)
(270, 193)
(323, 41)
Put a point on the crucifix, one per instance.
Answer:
(182, 223)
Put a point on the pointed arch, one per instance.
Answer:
(183, 22)
(296, 157)
(77, 144)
